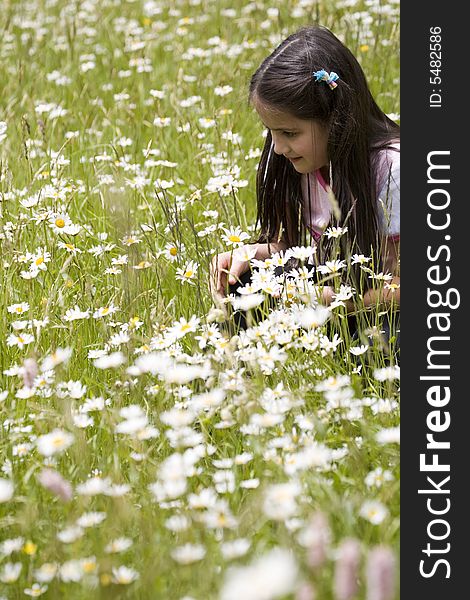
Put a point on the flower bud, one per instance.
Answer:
(305, 591)
(348, 559)
(319, 536)
(380, 574)
(56, 484)
(30, 370)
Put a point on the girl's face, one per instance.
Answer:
(303, 142)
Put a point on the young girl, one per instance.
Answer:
(328, 147)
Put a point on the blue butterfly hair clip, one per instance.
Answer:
(329, 78)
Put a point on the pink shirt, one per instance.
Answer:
(317, 212)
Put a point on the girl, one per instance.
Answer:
(331, 158)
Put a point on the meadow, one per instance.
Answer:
(149, 449)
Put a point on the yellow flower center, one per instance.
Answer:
(189, 274)
(19, 309)
(173, 251)
(234, 238)
(105, 579)
(35, 592)
(105, 310)
(222, 520)
(60, 222)
(39, 260)
(30, 548)
(89, 566)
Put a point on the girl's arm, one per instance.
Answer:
(264, 251)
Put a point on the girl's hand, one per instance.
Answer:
(225, 269)
(326, 297)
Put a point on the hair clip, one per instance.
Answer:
(329, 78)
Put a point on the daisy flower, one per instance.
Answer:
(124, 575)
(31, 274)
(272, 575)
(91, 519)
(122, 337)
(188, 273)
(331, 267)
(59, 222)
(235, 236)
(223, 90)
(118, 545)
(335, 232)
(373, 511)
(377, 477)
(389, 435)
(381, 276)
(46, 572)
(393, 287)
(40, 259)
(189, 553)
(71, 248)
(303, 253)
(206, 123)
(20, 340)
(18, 309)
(6, 490)
(59, 356)
(235, 548)
(144, 264)
(120, 260)
(244, 253)
(74, 314)
(173, 251)
(10, 572)
(387, 373)
(358, 350)
(247, 302)
(104, 311)
(54, 442)
(110, 361)
(130, 240)
(182, 327)
(160, 94)
(280, 501)
(360, 259)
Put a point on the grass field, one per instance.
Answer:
(147, 449)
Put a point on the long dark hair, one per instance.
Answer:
(358, 130)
